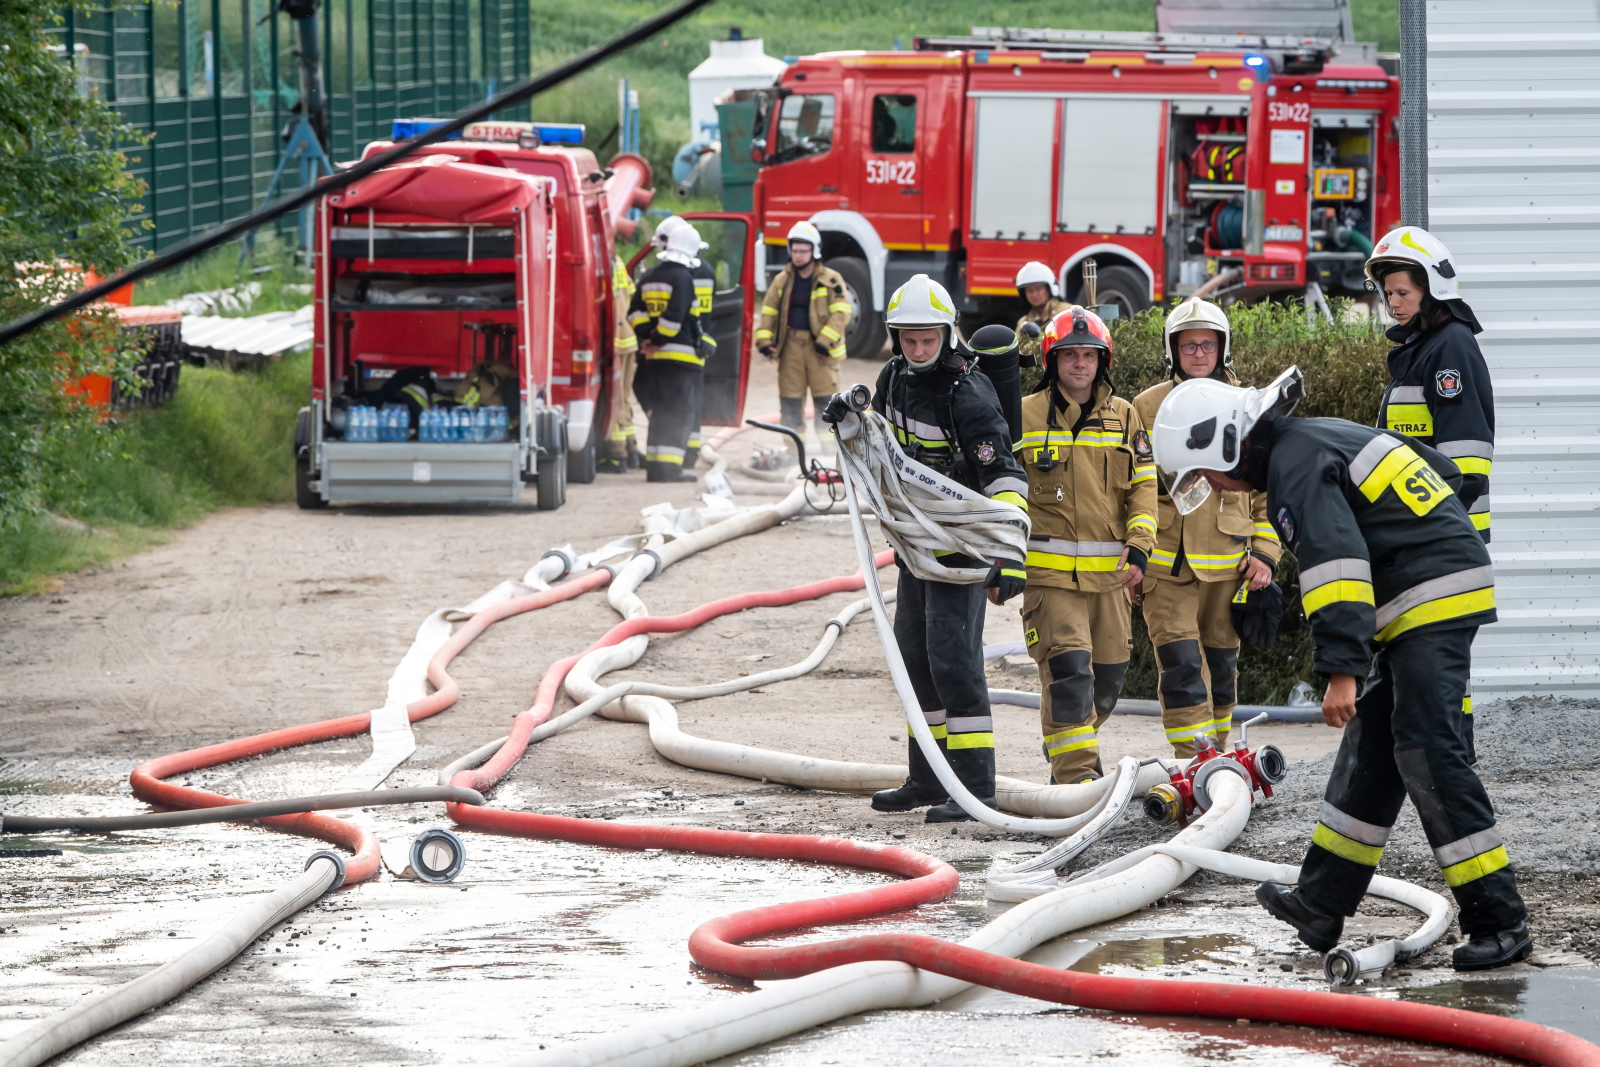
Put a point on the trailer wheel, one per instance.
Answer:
(552, 475)
(866, 334)
(1122, 286)
(582, 464)
(307, 497)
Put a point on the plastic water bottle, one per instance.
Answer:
(480, 424)
(498, 424)
(425, 425)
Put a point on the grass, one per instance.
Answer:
(272, 267)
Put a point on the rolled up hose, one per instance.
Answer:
(238, 811)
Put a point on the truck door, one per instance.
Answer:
(732, 255)
(891, 182)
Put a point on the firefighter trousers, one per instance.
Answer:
(691, 446)
(939, 628)
(620, 432)
(1406, 741)
(666, 390)
(1080, 642)
(802, 367)
(1197, 655)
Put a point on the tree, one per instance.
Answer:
(65, 203)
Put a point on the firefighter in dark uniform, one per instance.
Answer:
(705, 290)
(671, 364)
(945, 414)
(1395, 582)
(1439, 389)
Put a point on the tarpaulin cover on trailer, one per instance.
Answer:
(444, 188)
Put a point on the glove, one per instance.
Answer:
(770, 351)
(1008, 576)
(820, 349)
(835, 409)
(1256, 614)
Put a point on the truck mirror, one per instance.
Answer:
(758, 149)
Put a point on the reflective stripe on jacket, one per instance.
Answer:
(1099, 496)
(830, 309)
(1211, 543)
(662, 312)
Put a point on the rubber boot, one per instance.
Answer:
(1484, 952)
(792, 412)
(667, 472)
(950, 811)
(975, 768)
(610, 465)
(635, 457)
(921, 788)
(1319, 931)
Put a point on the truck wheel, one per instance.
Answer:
(307, 497)
(552, 483)
(866, 334)
(581, 465)
(1124, 287)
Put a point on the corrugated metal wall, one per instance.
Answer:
(216, 81)
(1514, 191)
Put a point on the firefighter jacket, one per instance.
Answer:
(705, 291)
(1439, 392)
(950, 419)
(1211, 543)
(1041, 316)
(830, 310)
(1384, 543)
(1090, 493)
(623, 342)
(662, 313)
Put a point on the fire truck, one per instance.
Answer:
(495, 248)
(1169, 159)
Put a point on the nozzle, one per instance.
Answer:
(1163, 805)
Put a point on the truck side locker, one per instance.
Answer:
(1278, 200)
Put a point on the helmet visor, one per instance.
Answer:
(1189, 490)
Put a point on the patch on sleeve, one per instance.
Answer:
(1286, 524)
(1031, 637)
(1141, 444)
(1447, 383)
(986, 453)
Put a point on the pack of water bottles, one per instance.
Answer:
(491, 423)
(392, 422)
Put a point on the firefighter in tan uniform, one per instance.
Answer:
(1201, 559)
(620, 447)
(1037, 284)
(803, 322)
(1092, 497)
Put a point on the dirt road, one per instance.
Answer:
(263, 618)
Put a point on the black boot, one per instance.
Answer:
(1484, 952)
(908, 797)
(1318, 930)
(610, 465)
(950, 811)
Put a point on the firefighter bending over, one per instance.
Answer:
(1200, 559)
(803, 322)
(1395, 582)
(1092, 497)
(945, 414)
(671, 364)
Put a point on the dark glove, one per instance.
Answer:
(820, 348)
(1256, 614)
(770, 351)
(1008, 576)
(835, 409)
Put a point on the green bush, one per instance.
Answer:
(1344, 365)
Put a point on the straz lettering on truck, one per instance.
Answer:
(891, 172)
(1281, 112)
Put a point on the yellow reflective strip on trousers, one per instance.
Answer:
(1077, 737)
(1052, 561)
(974, 740)
(938, 732)
(1450, 607)
(1346, 847)
(1413, 420)
(677, 357)
(1347, 589)
(1471, 870)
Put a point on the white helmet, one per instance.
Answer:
(1412, 246)
(664, 231)
(920, 304)
(805, 231)
(1202, 424)
(1035, 273)
(1197, 315)
(681, 245)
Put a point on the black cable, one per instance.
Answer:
(285, 204)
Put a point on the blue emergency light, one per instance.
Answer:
(407, 128)
(559, 132)
(1260, 66)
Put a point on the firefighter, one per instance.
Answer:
(1036, 283)
(1439, 389)
(945, 414)
(671, 368)
(1092, 496)
(1395, 578)
(705, 289)
(620, 451)
(1200, 561)
(803, 322)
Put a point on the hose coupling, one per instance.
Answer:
(653, 554)
(1340, 967)
(437, 855)
(1163, 805)
(569, 562)
(338, 865)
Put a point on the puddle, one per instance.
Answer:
(1567, 998)
(1150, 952)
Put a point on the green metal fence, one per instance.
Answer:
(216, 81)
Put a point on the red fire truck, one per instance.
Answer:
(1167, 158)
(493, 248)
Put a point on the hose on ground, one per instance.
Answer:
(239, 811)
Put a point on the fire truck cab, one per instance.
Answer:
(1167, 158)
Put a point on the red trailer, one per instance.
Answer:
(1167, 158)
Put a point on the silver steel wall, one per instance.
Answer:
(1514, 191)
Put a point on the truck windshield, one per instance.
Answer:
(805, 127)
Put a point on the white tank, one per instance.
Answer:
(735, 63)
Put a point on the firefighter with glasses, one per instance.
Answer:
(1092, 501)
(803, 322)
(671, 363)
(1036, 284)
(1200, 560)
(944, 413)
(1395, 582)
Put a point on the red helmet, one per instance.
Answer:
(1077, 327)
